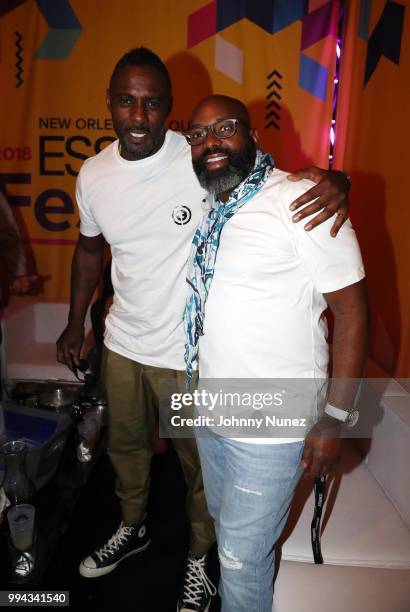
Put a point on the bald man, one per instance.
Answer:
(258, 289)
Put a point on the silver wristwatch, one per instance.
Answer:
(350, 418)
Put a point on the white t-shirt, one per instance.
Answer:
(263, 315)
(147, 211)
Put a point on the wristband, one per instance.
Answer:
(345, 416)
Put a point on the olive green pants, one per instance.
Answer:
(133, 392)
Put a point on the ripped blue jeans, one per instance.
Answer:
(249, 489)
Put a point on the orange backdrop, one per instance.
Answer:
(373, 146)
(56, 60)
(56, 57)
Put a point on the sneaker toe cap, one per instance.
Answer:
(87, 564)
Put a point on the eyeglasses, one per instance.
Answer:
(225, 128)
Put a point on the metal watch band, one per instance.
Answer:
(350, 418)
(337, 413)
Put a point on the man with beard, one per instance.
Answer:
(142, 197)
(258, 288)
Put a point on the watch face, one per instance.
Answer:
(352, 418)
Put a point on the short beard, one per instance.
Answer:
(218, 182)
(137, 152)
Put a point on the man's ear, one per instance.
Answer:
(253, 132)
(108, 100)
(170, 105)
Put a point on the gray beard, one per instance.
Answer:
(217, 184)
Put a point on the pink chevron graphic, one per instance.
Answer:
(202, 24)
(315, 4)
(320, 23)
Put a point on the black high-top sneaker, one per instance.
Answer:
(197, 590)
(125, 542)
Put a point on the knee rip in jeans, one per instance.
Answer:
(248, 490)
(228, 559)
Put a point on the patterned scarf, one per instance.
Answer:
(205, 244)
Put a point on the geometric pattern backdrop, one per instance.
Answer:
(56, 57)
(372, 144)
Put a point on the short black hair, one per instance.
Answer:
(141, 56)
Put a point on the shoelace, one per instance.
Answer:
(115, 542)
(196, 580)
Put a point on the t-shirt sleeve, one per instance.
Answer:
(332, 263)
(88, 225)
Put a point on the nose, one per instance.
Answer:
(211, 139)
(138, 113)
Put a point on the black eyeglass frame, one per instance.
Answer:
(209, 128)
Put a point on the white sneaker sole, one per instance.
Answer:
(192, 610)
(96, 572)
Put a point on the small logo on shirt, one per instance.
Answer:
(181, 214)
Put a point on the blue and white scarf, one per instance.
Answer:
(204, 249)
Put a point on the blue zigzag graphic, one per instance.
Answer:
(271, 15)
(64, 31)
(19, 58)
(9, 5)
